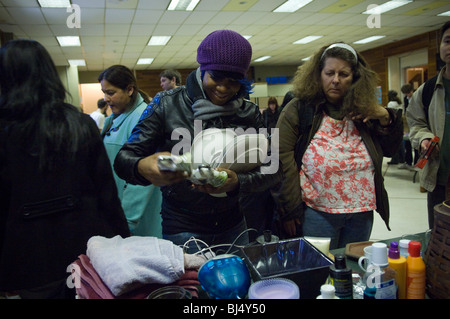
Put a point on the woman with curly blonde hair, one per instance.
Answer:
(333, 137)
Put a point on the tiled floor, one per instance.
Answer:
(408, 205)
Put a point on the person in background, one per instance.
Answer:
(333, 137)
(408, 90)
(141, 204)
(170, 79)
(286, 99)
(56, 184)
(99, 115)
(395, 103)
(213, 94)
(271, 114)
(436, 122)
(410, 160)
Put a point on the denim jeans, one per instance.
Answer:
(341, 228)
(227, 237)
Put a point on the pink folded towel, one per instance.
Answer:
(92, 287)
(125, 264)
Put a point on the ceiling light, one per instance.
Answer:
(369, 39)
(387, 6)
(292, 5)
(159, 40)
(183, 5)
(145, 61)
(69, 41)
(263, 58)
(307, 39)
(54, 3)
(77, 62)
(247, 36)
(307, 58)
(444, 14)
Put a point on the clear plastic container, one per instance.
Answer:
(276, 288)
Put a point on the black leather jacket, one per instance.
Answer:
(185, 209)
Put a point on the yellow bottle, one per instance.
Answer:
(398, 263)
(415, 272)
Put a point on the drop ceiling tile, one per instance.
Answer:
(171, 17)
(210, 5)
(226, 17)
(140, 41)
(36, 30)
(62, 30)
(27, 15)
(121, 4)
(250, 18)
(119, 16)
(92, 16)
(112, 30)
(47, 41)
(147, 16)
(165, 29)
(5, 17)
(199, 17)
(189, 30)
(92, 30)
(154, 5)
(142, 30)
(89, 4)
(55, 15)
(19, 3)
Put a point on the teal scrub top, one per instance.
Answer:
(141, 204)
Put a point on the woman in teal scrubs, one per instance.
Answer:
(141, 204)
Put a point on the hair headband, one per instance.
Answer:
(343, 46)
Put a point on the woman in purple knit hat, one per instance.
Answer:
(213, 96)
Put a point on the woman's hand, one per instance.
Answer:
(148, 168)
(379, 113)
(231, 184)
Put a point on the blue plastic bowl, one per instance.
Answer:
(225, 277)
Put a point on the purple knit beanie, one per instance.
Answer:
(225, 50)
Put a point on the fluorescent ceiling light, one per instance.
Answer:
(69, 41)
(247, 36)
(159, 40)
(292, 5)
(54, 3)
(183, 5)
(369, 39)
(306, 59)
(308, 39)
(145, 61)
(444, 14)
(263, 58)
(77, 62)
(387, 6)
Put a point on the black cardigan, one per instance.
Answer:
(46, 219)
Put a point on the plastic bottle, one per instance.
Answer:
(341, 277)
(398, 263)
(415, 272)
(403, 246)
(327, 292)
(380, 278)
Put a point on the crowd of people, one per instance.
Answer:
(65, 177)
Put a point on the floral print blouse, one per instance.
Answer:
(337, 175)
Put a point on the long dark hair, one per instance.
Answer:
(32, 103)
